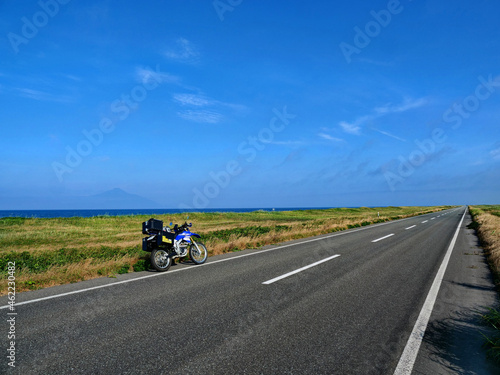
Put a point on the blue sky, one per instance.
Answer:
(208, 104)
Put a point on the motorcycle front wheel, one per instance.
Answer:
(160, 260)
(197, 252)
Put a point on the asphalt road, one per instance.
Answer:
(348, 307)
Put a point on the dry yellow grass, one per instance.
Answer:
(487, 224)
(57, 251)
(296, 231)
(488, 230)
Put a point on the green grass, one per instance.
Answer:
(41, 261)
(251, 231)
(487, 208)
(492, 318)
(60, 250)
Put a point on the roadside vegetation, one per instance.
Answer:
(56, 251)
(486, 222)
(493, 342)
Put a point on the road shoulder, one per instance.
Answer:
(453, 342)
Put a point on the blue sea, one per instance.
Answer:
(121, 212)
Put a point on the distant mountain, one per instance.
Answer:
(111, 199)
(117, 198)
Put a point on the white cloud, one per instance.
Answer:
(72, 77)
(193, 100)
(202, 116)
(198, 100)
(185, 52)
(350, 128)
(287, 143)
(375, 62)
(355, 126)
(42, 96)
(148, 75)
(204, 109)
(330, 138)
(405, 106)
(389, 134)
(495, 154)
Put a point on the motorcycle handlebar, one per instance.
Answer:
(184, 226)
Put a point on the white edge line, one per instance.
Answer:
(383, 238)
(205, 264)
(299, 270)
(413, 226)
(407, 360)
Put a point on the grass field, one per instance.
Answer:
(57, 251)
(487, 224)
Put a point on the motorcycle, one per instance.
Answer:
(166, 244)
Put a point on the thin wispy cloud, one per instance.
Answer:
(389, 134)
(287, 143)
(72, 77)
(193, 100)
(328, 137)
(355, 126)
(350, 128)
(405, 106)
(495, 154)
(200, 100)
(201, 116)
(197, 107)
(375, 62)
(203, 109)
(148, 75)
(42, 95)
(184, 52)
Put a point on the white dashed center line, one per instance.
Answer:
(299, 270)
(383, 238)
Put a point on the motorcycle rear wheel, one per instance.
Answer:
(160, 260)
(197, 252)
